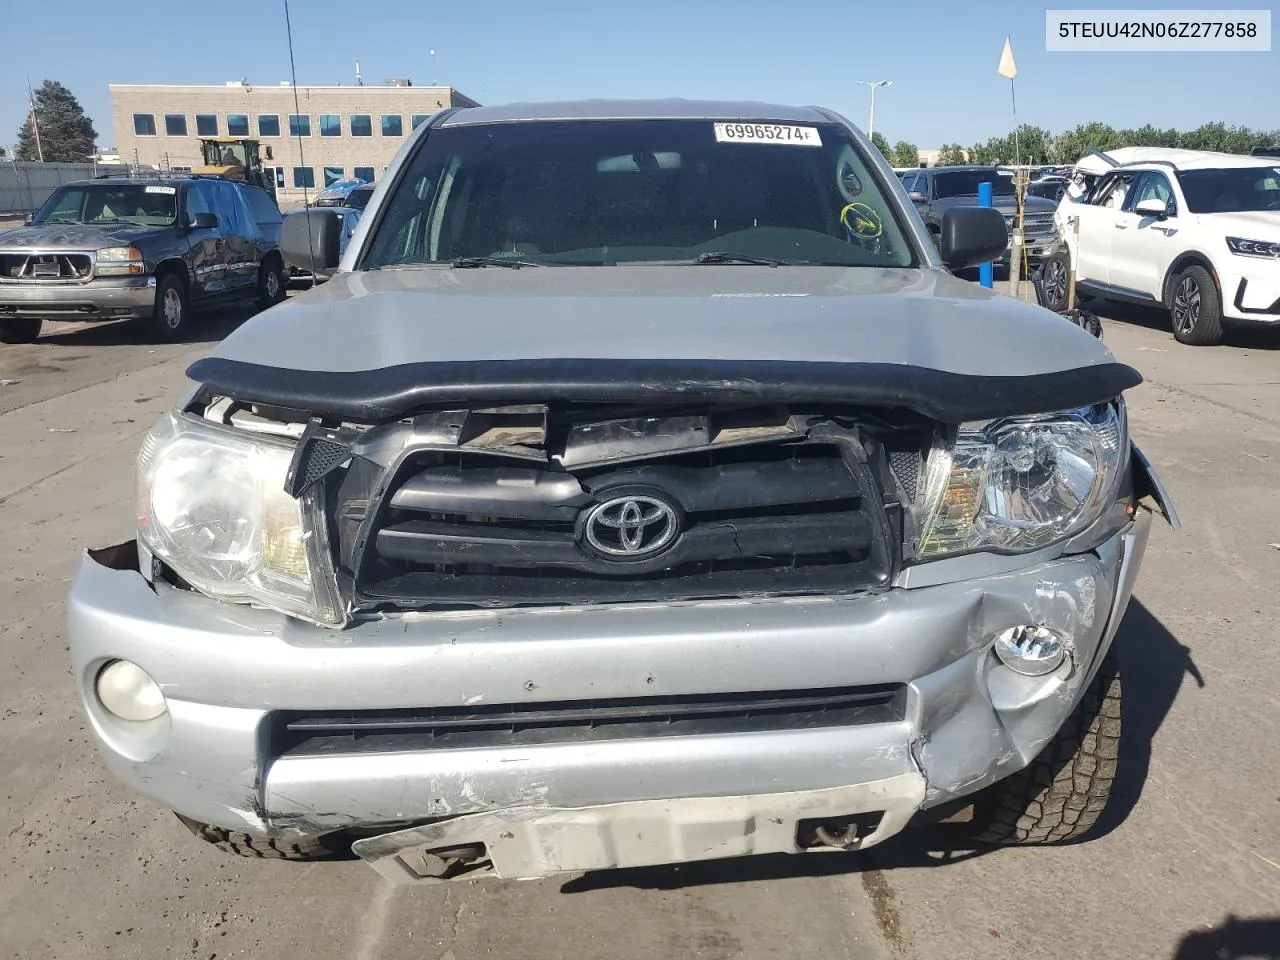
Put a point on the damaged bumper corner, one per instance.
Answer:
(961, 719)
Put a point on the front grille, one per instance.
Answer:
(498, 725)
(1038, 224)
(45, 266)
(790, 516)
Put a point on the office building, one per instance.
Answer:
(315, 134)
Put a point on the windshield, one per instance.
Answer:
(1231, 190)
(615, 191)
(964, 183)
(224, 154)
(149, 205)
(359, 197)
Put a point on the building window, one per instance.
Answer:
(206, 125)
(175, 125)
(144, 124)
(238, 124)
(304, 176)
(268, 125)
(330, 125)
(299, 125)
(420, 118)
(332, 175)
(280, 177)
(361, 125)
(363, 173)
(392, 125)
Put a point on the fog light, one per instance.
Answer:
(125, 691)
(1031, 651)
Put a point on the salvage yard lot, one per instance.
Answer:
(89, 870)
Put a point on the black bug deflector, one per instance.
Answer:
(371, 396)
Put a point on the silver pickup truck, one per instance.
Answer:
(643, 488)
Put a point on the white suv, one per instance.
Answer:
(1194, 231)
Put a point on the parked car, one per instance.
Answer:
(1048, 187)
(335, 194)
(358, 198)
(937, 190)
(647, 490)
(149, 248)
(1195, 232)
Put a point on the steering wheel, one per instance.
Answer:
(862, 221)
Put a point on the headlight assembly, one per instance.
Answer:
(1022, 484)
(211, 504)
(1267, 249)
(119, 261)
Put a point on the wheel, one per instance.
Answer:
(1060, 795)
(171, 317)
(262, 848)
(19, 329)
(271, 283)
(1056, 278)
(1196, 307)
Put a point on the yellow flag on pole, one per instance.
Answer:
(1007, 67)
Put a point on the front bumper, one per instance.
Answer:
(102, 298)
(226, 670)
(1251, 290)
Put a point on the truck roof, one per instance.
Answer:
(669, 109)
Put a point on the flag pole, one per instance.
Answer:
(1019, 189)
(35, 126)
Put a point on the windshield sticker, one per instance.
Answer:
(768, 133)
(168, 190)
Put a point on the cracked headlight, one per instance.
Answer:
(1021, 484)
(211, 504)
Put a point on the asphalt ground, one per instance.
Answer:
(1186, 863)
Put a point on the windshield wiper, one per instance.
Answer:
(493, 262)
(54, 220)
(740, 258)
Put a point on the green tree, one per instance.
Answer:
(1033, 144)
(66, 134)
(906, 154)
(951, 155)
(882, 145)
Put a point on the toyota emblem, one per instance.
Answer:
(632, 527)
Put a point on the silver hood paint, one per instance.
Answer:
(922, 318)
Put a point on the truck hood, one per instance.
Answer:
(1007, 205)
(373, 345)
(75, 236)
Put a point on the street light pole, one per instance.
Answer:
(872, 85)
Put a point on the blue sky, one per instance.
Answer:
(941, 56)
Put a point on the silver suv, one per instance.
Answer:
(641, 489)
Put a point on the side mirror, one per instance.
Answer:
(917, 197)
(1152, 207)
(204, 221)
(311, 240)
(29, 219)
(972, 235)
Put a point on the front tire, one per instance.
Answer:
(271, 283)
(20, 329)
(1056, 281)
(171, 319)
(1196, 308)
(1060, 795)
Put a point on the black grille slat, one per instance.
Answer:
(784, 516)
(571, 721)
(466, 545)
